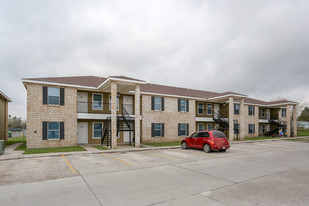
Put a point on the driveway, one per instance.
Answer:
(262, 173)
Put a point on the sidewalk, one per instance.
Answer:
(11, 154)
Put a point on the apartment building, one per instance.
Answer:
(66, 111)
(4, 100)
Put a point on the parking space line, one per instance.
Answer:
(70, 166)
(199, 152)
(118, 159)
(164, 156)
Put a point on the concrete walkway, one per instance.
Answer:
(10, 150)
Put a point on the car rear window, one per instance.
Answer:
(218, 134)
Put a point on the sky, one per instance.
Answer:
(258, 47)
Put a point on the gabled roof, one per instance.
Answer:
(4, 96)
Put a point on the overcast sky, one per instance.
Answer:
(259, 48)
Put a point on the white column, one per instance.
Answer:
(231, 118)
(137, 116)
(294, 120)
(242, 119)
(114, 114)
(288, 121)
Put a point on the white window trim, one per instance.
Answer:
(211, 126)
(97, 101)
(253, 112)
(93, 137)
(284, 113)
(185, 124)
(198, 126)
(53, 130)
(110, 103)
(53, 96)
(154, 129)
(208, 110)
(198, 107)
(185, 110)
(253, 129)
(154, 104)
(235, 105)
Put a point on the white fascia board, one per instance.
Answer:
(8, 98)
(204, 119)
(57, 84)
(94, 116)
(109, 79)
(283, 104)
(171, 95)
(263, 121)
(227, 95)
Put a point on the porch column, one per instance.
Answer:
(137, 116)
(231, 118)
(294, 120)
(114, 114)
(288, 121)
(242, 119)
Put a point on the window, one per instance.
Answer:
(183, 105)
(203, 134)
(218, 134)
(157, 129)
(283, 112)
(263, 128)
(209, 109)
(183, 129)
(200, 108)
(97, 130)
(97, 100)
(110, 103)
(157, 103)
(53, 95)
(236, 108)
(209, 127)
(236, 128)
(53, 130)
(251, 128)
(251, 110)
(200, 126)
(263, 112)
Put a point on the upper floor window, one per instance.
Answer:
(97, 101)
(183, 129)
(236, 108)
(110, 103)
(263, 112)
(209, 109)
(251, 110)
(251, 129)
(283, 112)
(53, 95)
(157, 103)
(183, 105)
(200, 108)
(157, 130)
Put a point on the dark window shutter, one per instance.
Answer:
(249, 129)
(45, 95)
(162, 103)
(178, 129)
(254, 128)
(162, 135)
(61, 96)
(253, 110)
(178, 105)
(187, 102)
(152, 103)
(61, 130)
(44, 131)
(152, 129)
(187, 130)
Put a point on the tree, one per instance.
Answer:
(16, 122)
(304, 116)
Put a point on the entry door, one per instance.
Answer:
(82, 102)
(82, 132)
(126, 135)
(128, 104)
(216, 110)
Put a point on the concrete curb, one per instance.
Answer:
(14, 157)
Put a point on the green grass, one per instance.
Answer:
(14, 140)
(259, 138)
(100, 147)
(49, 150)
(163, 144)
(303, 133)
(295, 140)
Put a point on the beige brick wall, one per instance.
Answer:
(37, 113)
(252, 120)
(170, 117)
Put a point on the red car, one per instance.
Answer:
(206, 140)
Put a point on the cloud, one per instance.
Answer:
(259, 48)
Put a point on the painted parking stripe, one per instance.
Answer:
(70, 166)
(131, 165)
(164, 156)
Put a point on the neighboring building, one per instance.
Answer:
(65, 111)
(4, 100)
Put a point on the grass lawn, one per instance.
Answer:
(163, 144)
(259, 138)
(303, 133)
(295, 140)
(100, 147)
(49, 150)
(14, 140)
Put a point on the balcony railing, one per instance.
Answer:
(102, 108)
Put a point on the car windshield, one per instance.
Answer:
(218, 134)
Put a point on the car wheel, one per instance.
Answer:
(206, 148)
(184, 145)
(224, 150)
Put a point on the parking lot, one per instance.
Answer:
(261, 173)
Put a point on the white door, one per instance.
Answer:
(216, 110)
(82, 102)
(82, 132)
(128, 104)
(126, 135)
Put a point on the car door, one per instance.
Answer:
(193, 140)
(201, 139)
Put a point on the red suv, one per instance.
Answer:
(206, 140)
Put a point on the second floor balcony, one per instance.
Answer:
(101, 108)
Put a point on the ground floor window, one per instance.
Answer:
(183, 129)
(200, 126)
(236, 128)
(209, 127)
(157, 130)
(53, 130)
(251, 129)
(97, 130)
